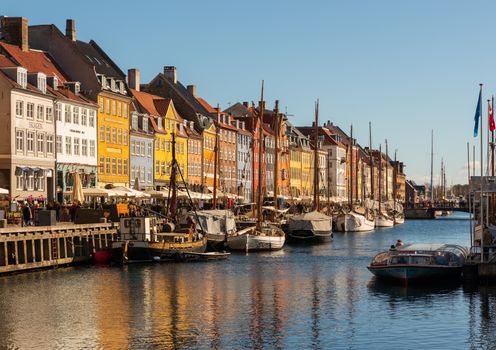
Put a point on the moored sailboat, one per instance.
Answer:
(143, 239)
(264, 235)
(313, 227)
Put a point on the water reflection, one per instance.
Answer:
(304, 297)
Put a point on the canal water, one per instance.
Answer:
(299, 298)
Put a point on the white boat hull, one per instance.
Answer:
(353, 222)
(399, 221)
(383, 222)
(252, 242)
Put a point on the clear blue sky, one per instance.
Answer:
(407, 66)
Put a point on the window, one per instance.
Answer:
(84, 147)
(132, 147)
(30, 141)
(145, 124)
(22, 77)
(125, 139)
(20, 182)
(113, 107)
(159, 123)
(92, 148)
(39, 112)
(59, 144)
(163, 168)
(102, 165)
(107, 106)
(157, 167)
(67, 114)
(134, 121)
(142, 148)
(114, 135)
(42, 83)
(92, 119)
(149, 175)
(20, 140)
(84, 116)
(107, 134)
(58, 112)
(30, 110)
(76, 146)
(124, 171)
(124, 108)
(68, 145)
(75, 115)
(114, 166)
(100, 104)
(19, 108)
(119, 136)
(168, 146)
(49, 144)
(150, 148)
(49, 114)
(119, 109)
(102, 133)
(107, 165)
(40, 143)
(142, 173)
(119, 166)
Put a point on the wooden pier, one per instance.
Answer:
(35, 247)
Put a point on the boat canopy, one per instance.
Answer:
(216, 221)
(311, 221)
(452, 248)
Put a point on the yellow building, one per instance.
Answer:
(166, 122)
(306, 169)
(209, 135)
(295, 170)
(113, 139)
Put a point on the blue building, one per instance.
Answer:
(244, 161)
(141, 140)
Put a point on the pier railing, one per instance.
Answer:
(25, 248)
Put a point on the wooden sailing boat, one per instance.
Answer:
(357, 219)
(313, 227)
(264, 235)
(381, 218)
(143, 239)
(398, 215)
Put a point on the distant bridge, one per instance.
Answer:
(429, 212)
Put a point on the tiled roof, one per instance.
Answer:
(99, 59)
(206, 105)
(153, 105)
(34, 61)
(5, 62)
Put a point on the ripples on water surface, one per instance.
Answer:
(302, 297)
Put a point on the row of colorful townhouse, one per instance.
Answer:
(69, 109)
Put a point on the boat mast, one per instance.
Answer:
(350, 147)
(371, 162)
(357, 164)
(216, 157)
(432, 164)
(395, 175)
(276, 152)
(173, 186)
(316, 160)
(380, 177)
(260, 150)
(387, 172)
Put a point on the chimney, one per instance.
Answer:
(170, 73)
(133, 79)
(70, 29)
(15, 31)
(245, 103)
(192, 89)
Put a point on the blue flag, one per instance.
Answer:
(477, 114)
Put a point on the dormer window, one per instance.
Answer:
(134, 121)
(145, 124)
(42, 83)
(159, 123)
(22, 77)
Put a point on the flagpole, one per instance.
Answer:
(469, 196)
(487, 148)
(492, 138)
(482, 175)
